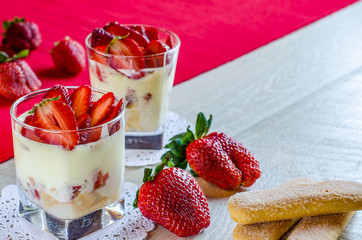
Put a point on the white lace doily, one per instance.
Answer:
(174, 125)
(133, 226)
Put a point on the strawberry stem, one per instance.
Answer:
(5, 58)
(44, 101)
(148, 171)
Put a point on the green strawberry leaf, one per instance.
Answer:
(3, 56)
(177, 136)
(187, 137)
(177, 148)
(200, 125)
(136, 199)
(208, 124)
(147, 174)
(193, 173)
(182, 165)
(6, 24)
(22, 54)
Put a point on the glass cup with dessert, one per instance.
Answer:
(69, 159)
(138, 64)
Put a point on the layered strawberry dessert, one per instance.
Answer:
(69, 151)
(138, 64)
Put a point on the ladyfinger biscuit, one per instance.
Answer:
(325, 227)
(268, 230)
(295, 201)
(263, 231)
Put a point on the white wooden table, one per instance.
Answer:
(296, 103)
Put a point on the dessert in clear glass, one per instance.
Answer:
(138, 64)
(69, 159)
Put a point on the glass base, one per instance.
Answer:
(145, 140)
(70, 229)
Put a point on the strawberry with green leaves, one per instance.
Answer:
(21, 34)
(172, 198)
(216, 157)
(16, 76)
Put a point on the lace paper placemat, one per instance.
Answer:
(174, 125)
(133, 226)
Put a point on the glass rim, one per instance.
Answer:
(38, 92)
(174, 49)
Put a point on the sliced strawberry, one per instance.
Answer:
(122, 31)
(91, 135)
(27, 132)
(101, 180)
(100, 37)
(101, 109)
(96, 56)
(139, 29)
(126, 47)
(81, 100)
(158, 47)
(83, 121)
(114, 113)
(152, 33)
(56, 116)
(56, 91)
(76, 191)
(169, 42)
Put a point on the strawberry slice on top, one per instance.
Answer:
(120, 30)
(28, 133)
(56, 91)
(101, 109)
(126, 47)
(55, 116)
(100, 37)
(81, 100)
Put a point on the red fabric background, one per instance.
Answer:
(212, 32)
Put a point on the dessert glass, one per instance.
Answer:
(69, 193)
(146, 92)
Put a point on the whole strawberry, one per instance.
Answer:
(173, 199)
(69, 56)
(21, 34)
(217, 157)
(16, 76)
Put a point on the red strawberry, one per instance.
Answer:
(96, 56)
(100, 37)
(169, 42)
(114, 113)
(120, 30)
(56, 116)
(140, 29)
(28, 133)
(207, 158)
(16, 77)
(56, 91)
(81, 100)
(173, 199)
(217, 158)
(243, 159)
(158, 47)
(125, 47)
(69, 56)
(83, 121)
(100, 180)
(101, 109)
(152, 33)
(21, 34)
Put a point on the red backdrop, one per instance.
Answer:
(212, 32)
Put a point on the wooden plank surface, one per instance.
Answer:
(295, 103)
